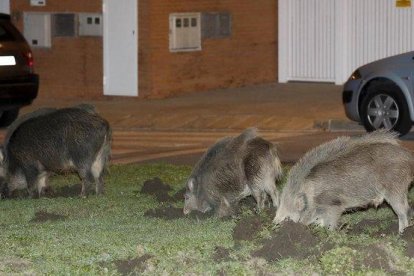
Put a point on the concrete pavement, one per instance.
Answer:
(275, 107)
(295, 116)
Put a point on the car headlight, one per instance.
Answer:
(355, 75)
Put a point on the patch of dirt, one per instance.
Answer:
(375, 257)
(392, 229)
(132, 266)
(292, 240)
(178, 196)
(167, 213)
(247, 228)
(221, 254)
(157, 188)
(408, 236)
(409, 251)
(43, 216)
(16, 265)
(170, 213)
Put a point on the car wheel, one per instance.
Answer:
(8, 116)
(385, 107)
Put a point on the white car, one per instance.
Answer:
(380, 94)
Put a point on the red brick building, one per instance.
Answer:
(237, 45)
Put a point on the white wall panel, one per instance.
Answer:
(377, 29)
(325, 40)
(5, 6)
(309, 40)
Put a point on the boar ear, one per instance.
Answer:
(1, 154)
(190, 184)
(301, 202)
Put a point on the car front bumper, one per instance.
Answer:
(350, 95)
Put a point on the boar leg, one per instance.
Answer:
(41, 183)
(87, 179)
(327, 216)
(97, 170)
(99, 185)
(224, 209)
(260, 197)
(272, 191)
(399, 204)
(31, 176)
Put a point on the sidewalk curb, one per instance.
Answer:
(334, 125)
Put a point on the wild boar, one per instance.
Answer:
(49, 140)
(348, 173)
(231, 169)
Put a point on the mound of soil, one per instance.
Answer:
(292, 240)
(132, 266)
(178, 196)
(374, 257)
(170, 212)
(247, 228)
(167, 213)
(157, 188)
(42, 216)
(408, 236)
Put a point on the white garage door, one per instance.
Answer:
(325, 40)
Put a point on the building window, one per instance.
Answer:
(64, 24)
(185, 32)
(216, 25)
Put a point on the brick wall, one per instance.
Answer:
(248, 57)
(73, 67)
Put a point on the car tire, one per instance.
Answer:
(8, 117)
(385, 107)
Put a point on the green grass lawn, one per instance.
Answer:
(98, 235)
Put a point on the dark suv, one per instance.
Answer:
(18, 84)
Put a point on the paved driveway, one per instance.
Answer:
(185, 148)
(178, 130)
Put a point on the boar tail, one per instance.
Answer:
(107, 146)
(278, 171)
(381, 136)
(247, 135)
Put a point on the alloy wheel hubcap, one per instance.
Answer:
(383, 112)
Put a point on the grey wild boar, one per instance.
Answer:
(231, 169)
(52, 140)
(348, 173)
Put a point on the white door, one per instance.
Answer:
(5, 6)
(120, 47)
(306, 40)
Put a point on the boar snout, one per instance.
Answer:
(186, 211)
